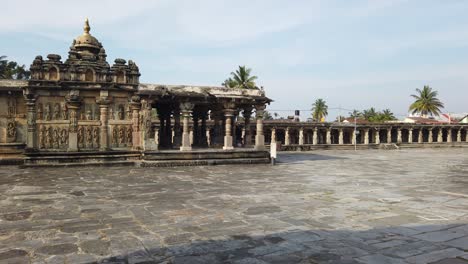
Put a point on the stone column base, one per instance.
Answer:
(72, 141)
(228, 143)
(186, 146)
(259, 142)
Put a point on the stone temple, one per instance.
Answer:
(84, 110)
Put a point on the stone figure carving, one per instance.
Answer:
(115, 135)
(63, 137)
(64, 111)
(129, 136)
(129, 112)
(80, 136)
(39, 111)
(55, 138)
(89, 136)
(73, 120)
(47, 112)
(41, 137)
(96, 137)
(48, 137)
(11, 130)
(56, 113)
(120, 112)
(89, 115)
(148, 128)
(11, 107)
(111, 113)
(121, 135)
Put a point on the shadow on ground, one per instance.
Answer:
(401, 244)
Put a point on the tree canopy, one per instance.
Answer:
(12, 70)
(426, 102)
(372, 115)
(319, 110)
(241, 78)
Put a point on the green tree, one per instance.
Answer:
(267, 115)
(355, 114)
(319, 110)
(241, 78)
(387, 115)
(369, 114)
(11, 70)
(426, 102)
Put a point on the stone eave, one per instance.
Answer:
(202, 91)
(12, 85)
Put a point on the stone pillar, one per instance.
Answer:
(389, 135)
(449, 135)
(328, 136)
(273, 135)
(377, 136)
(420, 136)
(315, 136)
(340, 137)
(186, 110)
(430, 136)
(259, 137)
(104, 129)
(229, 114)
(203, 141)
(440, 135)
(301, 136)
(399, 137)
(208, 137)
(410, 135)
(466, 135)
(247, 113)
(287, 140)
(459, 135)
(31, 140)
(366, 136)
(177, 131)
(354, 137)
(73, 130)
(135, 107)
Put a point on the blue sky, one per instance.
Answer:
(354, 54)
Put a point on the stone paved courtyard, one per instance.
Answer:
(408, 206)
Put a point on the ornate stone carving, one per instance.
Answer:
(48, 137)
(115, 136)
(56, 113)
(63, 137)
(39, 111)
(11, 107)
(55, 138)
(120, 112)
(42, 137)
(80, 136)
(96, 137)
(11, 130)
(121, 135)
(64, 111)
(89, 136)
(47, 112)
(129, 136)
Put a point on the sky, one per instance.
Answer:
(354, 54)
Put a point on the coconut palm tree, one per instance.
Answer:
(387, 115)
(319, 110)
(426, 102)
(241, 78)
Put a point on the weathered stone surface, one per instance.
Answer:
(307, 209)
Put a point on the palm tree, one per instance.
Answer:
(426, 102)
(241, 79)
(355, 114)
(387, 115)
(369, 114)
(319, 110)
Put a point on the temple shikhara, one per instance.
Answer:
(83, 110)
